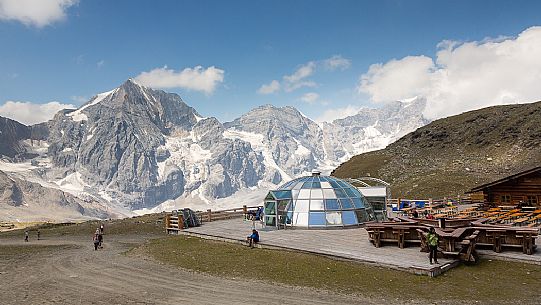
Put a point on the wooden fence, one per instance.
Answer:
(174, 223)
(459, 200)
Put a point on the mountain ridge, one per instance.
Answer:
(136, 148)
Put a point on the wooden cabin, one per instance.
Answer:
(522, 188)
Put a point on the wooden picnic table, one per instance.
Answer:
(497, 235)
(375, 233)
(401, 232)
(450, 238)
(528, 241)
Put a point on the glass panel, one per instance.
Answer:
(329, 194)
(325, 185)
(297, 185)
(323, 178)
(348, 218)
(334, 184)
(316, 185)
(331, 204)
(334, 218)
(350, 192)
(290, 206)
(356, 191)
(340, 193)
(358, 203)
(294, 194)
(317, 219)
(282, 194)
(317, 194)
(304, 194)
(346, 204)
(300, 219)
(282, 204)
(270, 220)
(289, 218)
(362, 216)
(343, 184)
(307, 185)
(316, 205)
(302, 205)
(270, 208)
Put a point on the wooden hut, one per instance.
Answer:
(522, 188)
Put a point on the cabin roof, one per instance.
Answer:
(505, 179)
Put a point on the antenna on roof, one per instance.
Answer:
(315, 172)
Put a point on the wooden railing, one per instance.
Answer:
(460, 200)
(174, 223)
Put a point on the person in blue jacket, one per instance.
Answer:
(253, 238)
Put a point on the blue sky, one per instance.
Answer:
(94, 46)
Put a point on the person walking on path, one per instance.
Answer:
(39, 234)
(101, 228)
(432, 240)
(96, 241)
(26, 235)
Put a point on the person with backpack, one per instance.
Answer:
(26, 235)
(432, 241)
(96, 241)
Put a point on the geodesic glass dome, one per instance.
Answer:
(317, 202)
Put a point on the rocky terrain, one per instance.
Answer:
(452, 155)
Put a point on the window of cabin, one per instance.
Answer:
(505, 198)
(532, 200)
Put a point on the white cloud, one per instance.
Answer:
(310, 97)
(464, 76)
(38, 13)
(337, 62)
(197, 78)
(298, 78)
(338, 113)
(274, 86)
(30, 113)
(301, 73)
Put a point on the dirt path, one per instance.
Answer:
(77, 274)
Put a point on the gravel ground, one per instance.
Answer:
(67, 270)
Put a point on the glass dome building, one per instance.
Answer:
(317, 202)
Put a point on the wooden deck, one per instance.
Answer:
(348, 244)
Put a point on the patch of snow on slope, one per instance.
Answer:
(72, 182)
(188, 156)
(301, 150)
(78, 115)
(16, 167)
(258, 144)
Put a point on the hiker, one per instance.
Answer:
(415, 213)
(39, 234)
(253, 238)
(432, 240)
(101, 228)
(96, 242)
(429, 216)
(100, 240)
(26, 235)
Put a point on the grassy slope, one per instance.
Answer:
(450, 156)
(490, 281)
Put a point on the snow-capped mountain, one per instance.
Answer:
(135, 148)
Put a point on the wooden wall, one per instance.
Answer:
(516, 190)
